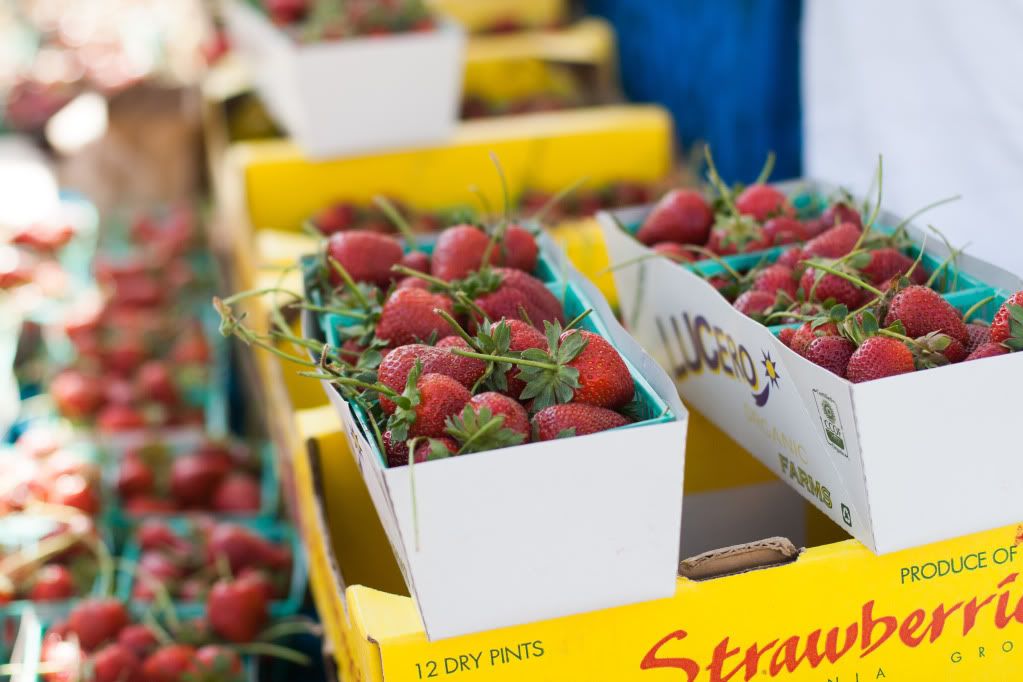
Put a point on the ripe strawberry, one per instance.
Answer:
(979, 334)
(785, 336)
(114, 663)
(219, 659)
(95, 621)
(238, 493)
(440, 397)
(841, 212)
(922, 311)
(522, 336)
(519, 249)
(831, 352)
(830, 286)
(157, 535)
(337, 217)
(143, 504)
(172, 662)
(674, 251)
(417, 260)
(238, 545)
(515, 417)
(191, 347)
(115, 418)
(134, 476)
(53, 582)
(520, 291)
(75, 394)
(888, 263)
(574, 419)
(367, 256)
(459, 251)
(784, 230)
(733, 237)
(807, 332)
(834, 242)
(1008, 324)
(987, 350)
(237, 608)
(408, 317)
(754, 302)
(74, 490)
(412, 282)
(879, 357)
(286, 12)
(138, 638)
(156, 383)
(790, 257)
(604, 378)
(194, 477)
(682, 216)
(395, 367)
(397, 451)
(762, 202)
(776, 278)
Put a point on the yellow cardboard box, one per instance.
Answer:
(482, 15)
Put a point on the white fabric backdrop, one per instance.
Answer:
(937, 87)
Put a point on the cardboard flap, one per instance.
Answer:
(737, 559)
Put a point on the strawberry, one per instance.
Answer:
(830, 352)
(574, 419)
(134, 476)
(809, 331)
(979, 334)
(682, 216)
(74, 490)
(737, 235)
(515, 336)
(338, 217)
(834, 242)
(114, 663)
(418, 261)
(830, 286)
(412, 282)
(395, 367)
(519, 249)
(1007, 325)
(515, 417)
(173, 662)
(841, 212)
(784, 230)
(115, 418)
(754, 302)
(194, 477)
(237, 608)
(459, 251)
(138, 638)
(785, 336)
(367, 256)
(95, 621)
(53, 582)
(674, 251)
(157, 535)
(215, 658)
(987, 350)
(776, 278)
(790, 257)
(517, 295)
(408, 317)
(76, 394)
(762, 202)
(286, 12)
(879, 357)
(922, 311)
(888, 263)
(238, 493)
(240, 546)
(429, 398)
(396, 451)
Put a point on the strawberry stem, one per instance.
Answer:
(504, 189)
(877, 204)
(975, 307)
(453, 323)
(950, 260)
(411, 445)
(349, 282)
(405, 270)
(398, 220)
(766, 171)
(286, 628)
(843, 275)
(556, 199)
(347, 312)
(242, 295)
(274, 651)
(578, 318)
(901, 227)
(488, 210)
(499, 358)
(717, 182)
(309, 227)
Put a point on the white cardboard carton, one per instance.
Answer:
(354, 96)
(565, 526)
(899, 462)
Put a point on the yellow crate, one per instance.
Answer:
(481, 15)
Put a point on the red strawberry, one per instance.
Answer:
(53, 582)
(156, 383)
(834, 242)
(220, 659)
(367, 256)
(114, 663)
(459, 251)
(76, 394)
(238, 493)
(114, 418)
(754, 302)
(887, 263)
(830, 286)
(397, 451)
(523, 337)
(194, 477)
(785, 336)
(1001, 329)
(682, 216)
(791, 257)
(575, 418)
(520, 291)
(987, 350)
(922, 311)
(143, 504)
(604, 378)
(191, 348)
(841, 212)
(519, 249)
(515, 416)
(394, 368)
(237, 608)
(171, 663)
(134, 477)
(831, 352)
(74, 490)
(440, 397)
(138, 638)
(157, 535)
(238, 545)
(806, 333)
(784, 230)
(776, 278)
(979, 334)
(879, 357)
(674, 251)
(762, 202)
(955, 351)
(411, 282)
(95, 621)
(725, 241)
(408, 317)
(285, 12)
(417, 260)
(336, 218)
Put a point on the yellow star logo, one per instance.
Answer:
(770, 369)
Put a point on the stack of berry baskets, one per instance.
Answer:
(450, 366)
(791, 302)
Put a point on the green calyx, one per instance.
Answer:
(481, 431)
(929, 350)
(1015, 341)
(495, 340)
(557, 382)
(405, 405)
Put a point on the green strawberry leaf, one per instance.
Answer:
(405, 413)
(571, 347)
(860, 260)
(635, 410)
(482, 431)
(566, 433)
